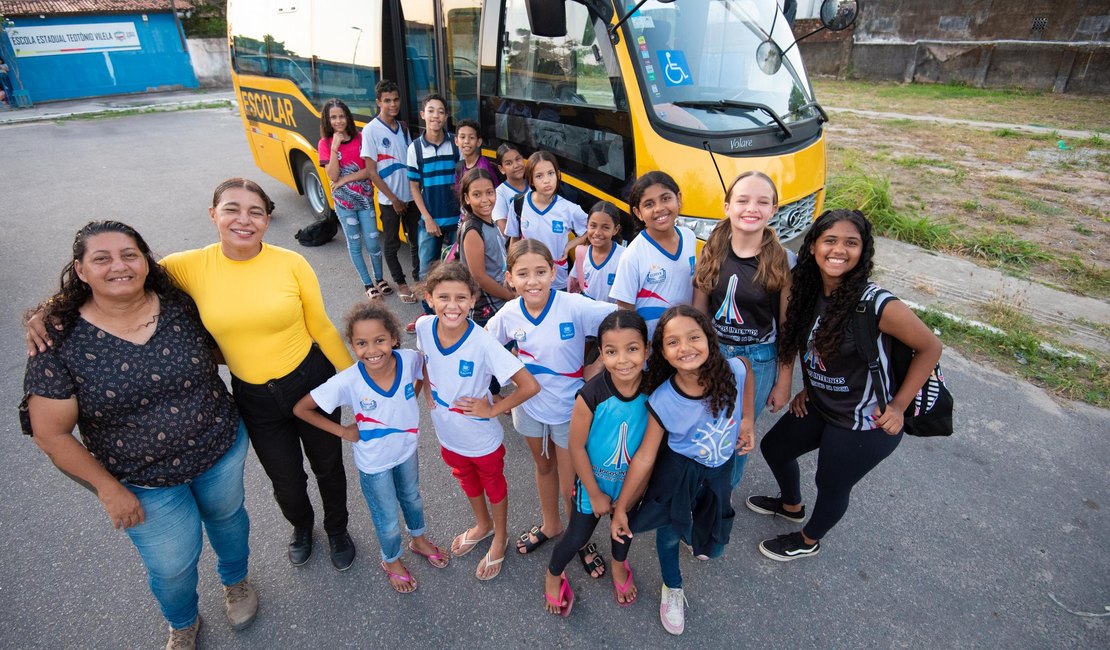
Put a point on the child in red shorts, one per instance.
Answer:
(460, 358)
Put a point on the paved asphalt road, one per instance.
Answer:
(949, 543)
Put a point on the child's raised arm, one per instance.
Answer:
(636, 480)
(305, 409)
(580, 420)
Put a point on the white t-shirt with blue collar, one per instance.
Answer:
(552, 226)
(552, 347)
(653, 280)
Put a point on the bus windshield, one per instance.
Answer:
(691, 54)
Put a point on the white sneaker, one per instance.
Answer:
(672, 610)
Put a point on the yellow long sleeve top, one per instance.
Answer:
(264, 312)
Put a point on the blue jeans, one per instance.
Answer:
(432, 247)
(360, 227)
(666, 547)
(383, 491)
(169, 540)
(765, 369)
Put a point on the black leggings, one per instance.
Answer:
(844, 457)
(578, 532)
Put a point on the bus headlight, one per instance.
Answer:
(701, 227)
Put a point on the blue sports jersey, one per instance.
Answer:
(615, 434)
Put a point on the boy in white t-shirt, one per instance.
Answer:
(459, 360)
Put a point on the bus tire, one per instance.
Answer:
(313, 188)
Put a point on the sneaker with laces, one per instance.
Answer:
(342, 551)
(242, 603)
(185, 638)
(773, 506)
(672, 610)
(790, 546)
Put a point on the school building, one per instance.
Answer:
(67, 49)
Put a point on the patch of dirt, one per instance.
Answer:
(993, 183)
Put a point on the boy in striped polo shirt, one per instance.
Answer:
(432, 158)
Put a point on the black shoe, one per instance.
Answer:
(790, 546)
(773, 506)
(342, 551)
(300, 546)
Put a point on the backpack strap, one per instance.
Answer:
(866, 332)
(418, 146)
(518, 204)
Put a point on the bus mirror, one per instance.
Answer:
(837, 15)
(768, 56)
(547, 18)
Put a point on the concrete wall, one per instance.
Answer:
(1039, 45)
(211, 62)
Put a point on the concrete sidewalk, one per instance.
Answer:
(153, 102)
(952, 285)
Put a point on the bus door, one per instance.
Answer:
(438, 52)
(561, 94)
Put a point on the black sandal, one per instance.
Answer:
(525, 545)
(597, 564)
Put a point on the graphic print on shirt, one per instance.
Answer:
(713, 440)
(652, 312)
(728, 311)
(537, 369)
(440, 403)
(619, 459)
(379, 429)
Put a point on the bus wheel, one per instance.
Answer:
(314, 190)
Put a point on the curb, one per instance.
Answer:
(165, 107)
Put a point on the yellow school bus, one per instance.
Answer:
(701, 89)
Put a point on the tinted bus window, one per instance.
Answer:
(418, 17)
(461, 19)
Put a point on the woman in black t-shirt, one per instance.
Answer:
(133, 369)
(837, 411)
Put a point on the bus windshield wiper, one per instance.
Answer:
(813, 104)
(723, 104)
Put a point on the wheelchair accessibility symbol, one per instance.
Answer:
(675, 70)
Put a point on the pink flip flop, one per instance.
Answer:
(403, 578)
(566, 594)
(439, 559)
(621, 590)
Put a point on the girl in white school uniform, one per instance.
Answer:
(656, 271)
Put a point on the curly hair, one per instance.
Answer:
(64, 306)
(371, 311)
(807, 286)
(774, 267)
(714, 375)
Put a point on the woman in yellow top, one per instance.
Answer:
(263, 306)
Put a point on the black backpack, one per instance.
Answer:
(930, 413)
(319, 232)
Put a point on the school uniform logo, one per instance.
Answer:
(656, 274)
(466, 368)
(367, 404)
(693, 263)
(612, 277)
(520, 336)
(620, 458)
(385, 143)
(557, 227)
(728, 313)
(410, 392)
(566, 331)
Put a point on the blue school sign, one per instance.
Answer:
(88, 55)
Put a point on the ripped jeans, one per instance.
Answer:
(360, 228)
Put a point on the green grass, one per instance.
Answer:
(100, 115)
(951, 90)
(1005, 249)
(1085, 278)
(870, 194)
(1019, 349)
